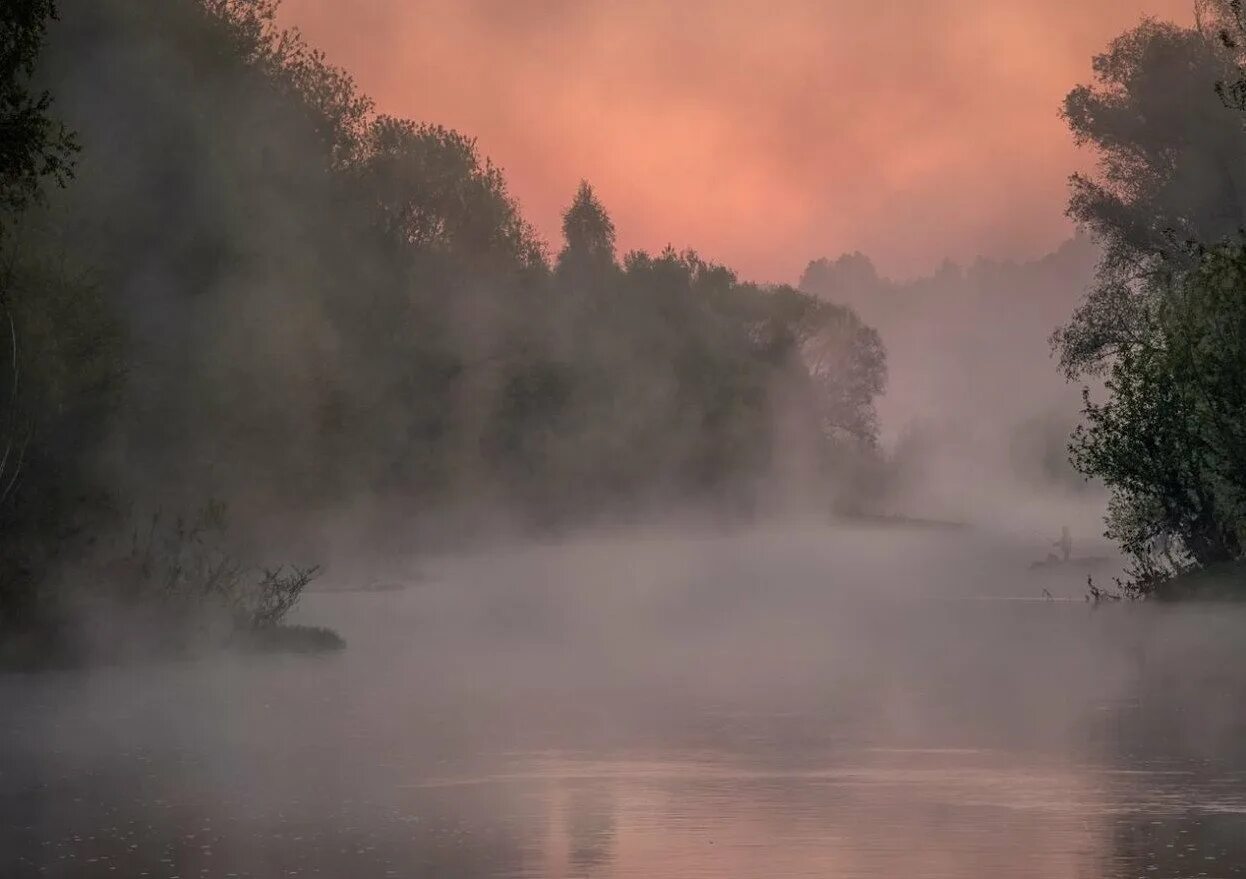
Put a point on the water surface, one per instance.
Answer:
(804, 702)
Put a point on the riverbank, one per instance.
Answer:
(61, 649)
(1222, 582)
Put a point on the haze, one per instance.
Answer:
(622, 440)
(757, 132)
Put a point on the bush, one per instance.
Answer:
(186, 572)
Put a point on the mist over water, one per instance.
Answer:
(792, 701)
(976, 415)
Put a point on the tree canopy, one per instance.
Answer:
(33, 145)
(261, 292)
(1169, 174)
(1166, 321)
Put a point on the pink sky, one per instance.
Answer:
(761, 132)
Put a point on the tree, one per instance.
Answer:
(851, 280)
(324, 95)
(1170, 173)
(1166, 320)
(848, 365)
(33, 145)
(261, 292)
(434, 192)
(58, 353)
(588, 235)
(1170, 438)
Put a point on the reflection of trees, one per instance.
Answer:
(590, 824)
(1179, 726)
(150, 815)
(1188, 844)
(1183, 814)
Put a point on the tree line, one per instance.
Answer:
(226, 277)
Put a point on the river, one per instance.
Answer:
(797, 702)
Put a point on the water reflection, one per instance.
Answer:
(885, 813)
(600, 725)
(590, 823)
(879, 815)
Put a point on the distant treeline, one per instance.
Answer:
(972, 394)
(256, 289)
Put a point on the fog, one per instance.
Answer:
(363, 528)
(798, 700)
(977, 415)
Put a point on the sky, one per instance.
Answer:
(762, 133)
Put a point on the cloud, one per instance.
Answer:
(762, 133)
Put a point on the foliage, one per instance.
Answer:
(1170, 436)
(39, 374)
(186, 568)
(1166, 322)
(589, 234)
(1169, 174)
(32, 144)
(61, 375)
(259, 289)
(435, 193)
(848, 366)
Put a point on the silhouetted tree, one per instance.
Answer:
(1170, 173)
(588, 235)
(1166, 320)
(303, 304)
(435, 193)
(33, 145)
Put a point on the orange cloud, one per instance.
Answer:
(761, 132)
